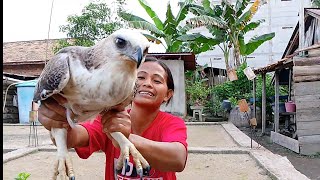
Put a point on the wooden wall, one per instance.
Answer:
(10, 113)
(306, 76)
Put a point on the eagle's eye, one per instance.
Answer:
(121, 43)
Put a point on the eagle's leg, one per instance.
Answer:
(127, 147)
(63, 165)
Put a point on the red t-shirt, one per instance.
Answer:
(164, 128)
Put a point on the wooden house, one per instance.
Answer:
(299, 69)
(22, 61)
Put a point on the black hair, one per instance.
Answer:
(170, 82)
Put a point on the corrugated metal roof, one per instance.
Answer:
(188, 58)
(285, 62)
(315, 12)
(19, 76)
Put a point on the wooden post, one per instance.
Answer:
(276, 102)
(290, 84)
(254, 97)
(301, 27)
(264, 105)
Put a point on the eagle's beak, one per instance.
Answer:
(137, 56)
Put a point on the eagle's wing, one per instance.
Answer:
(53, 78)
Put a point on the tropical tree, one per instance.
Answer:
(96, 21)
(171, 30)
(315, 3)
(228, 23)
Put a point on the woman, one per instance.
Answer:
(160, 137)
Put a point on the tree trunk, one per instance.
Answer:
(232, 75)
(236, 55)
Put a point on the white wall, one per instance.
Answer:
(177, 104)
(280, 17)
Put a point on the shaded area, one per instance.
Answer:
(307, 165)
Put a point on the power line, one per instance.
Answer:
(48, 33)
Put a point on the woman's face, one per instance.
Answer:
(152, 85)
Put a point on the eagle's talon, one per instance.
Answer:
(140, 172)
(146, 171)
(118, 171)
(127, 167)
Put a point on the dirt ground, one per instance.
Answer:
(307, 165)
(199, 166)
(222, 166)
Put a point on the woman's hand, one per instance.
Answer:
(116, 121)
(51, 114)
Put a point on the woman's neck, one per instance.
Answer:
(141, 118)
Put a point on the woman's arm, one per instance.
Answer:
(77, 137)
(164, 156)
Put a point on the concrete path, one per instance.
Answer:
(216, 151)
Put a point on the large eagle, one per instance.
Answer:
(94, 79)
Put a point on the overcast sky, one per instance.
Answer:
(25, 20)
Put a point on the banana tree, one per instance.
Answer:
(228, 23)
(175, 36)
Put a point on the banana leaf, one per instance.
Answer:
(183, 11)
(152, 38)
(240, 6)
(251, 26)
(197, 37)
(146, 26)
(207, 8)
(170, 23)
(205, 20)
(152, 14)
(255, 42)
(197, 10)
(130, 17)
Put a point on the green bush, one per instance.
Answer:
(197, 92)
(234, 90)
(242, 88)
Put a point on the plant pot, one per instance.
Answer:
(249, 73)
(232, 74)
(226, 105)
(290, 106)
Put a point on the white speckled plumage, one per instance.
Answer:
(93, 79)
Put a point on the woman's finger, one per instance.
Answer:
(48, 123)
(61, 100)
(53, 105)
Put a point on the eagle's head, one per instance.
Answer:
(124, 45)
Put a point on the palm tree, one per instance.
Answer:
(171, 31)
(228, 24)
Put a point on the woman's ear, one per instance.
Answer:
(168, 96)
